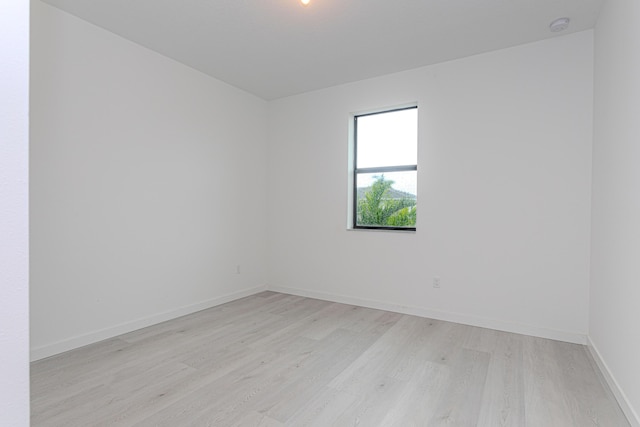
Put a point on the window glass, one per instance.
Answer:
(388, 139)
(386, 170)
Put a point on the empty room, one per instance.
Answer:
(328, 213)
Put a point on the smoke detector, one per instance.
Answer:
(559, 24)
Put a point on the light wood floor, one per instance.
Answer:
(280, 360)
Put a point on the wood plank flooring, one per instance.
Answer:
(281, 360)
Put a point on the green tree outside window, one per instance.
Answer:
(382, 205)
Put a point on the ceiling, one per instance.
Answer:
(277, 48)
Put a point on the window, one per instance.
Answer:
(385, 169)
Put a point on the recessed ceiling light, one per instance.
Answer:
(559, 24)
(305, 2)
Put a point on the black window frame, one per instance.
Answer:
(381, 169)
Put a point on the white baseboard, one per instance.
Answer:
(572, 337)
(41, 352)
(621, 397)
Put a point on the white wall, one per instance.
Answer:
(505, 143)
(14, 215)
(614, 326)
(147, 186)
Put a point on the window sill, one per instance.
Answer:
(384, 230)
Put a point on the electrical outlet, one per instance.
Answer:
(238, 269)
(436, 282)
